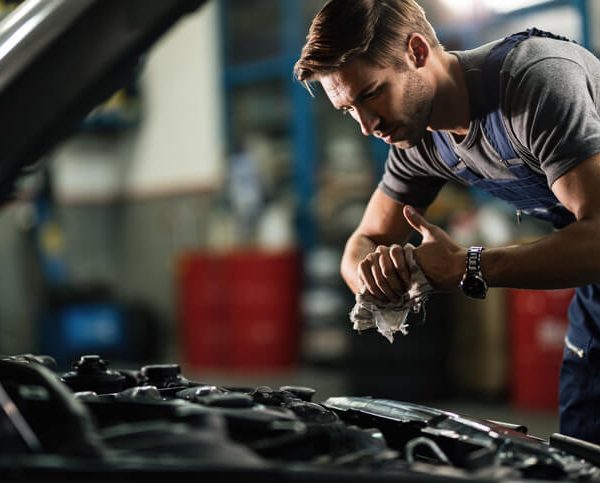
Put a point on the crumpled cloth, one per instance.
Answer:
(389, 318)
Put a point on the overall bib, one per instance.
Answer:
(529, 193)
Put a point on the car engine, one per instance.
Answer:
(97, 422)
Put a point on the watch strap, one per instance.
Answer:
(473, 284)
(474, 260)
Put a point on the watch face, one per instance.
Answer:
(474, 286)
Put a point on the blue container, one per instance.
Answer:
(74, 329)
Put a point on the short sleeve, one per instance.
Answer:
(553, 113)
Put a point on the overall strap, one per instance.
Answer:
(443, 144)
(491, 118)
(526, 190)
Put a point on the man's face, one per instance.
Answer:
(391, 104)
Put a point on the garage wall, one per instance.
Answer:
(178, 145)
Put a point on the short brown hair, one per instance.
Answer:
(372, 29)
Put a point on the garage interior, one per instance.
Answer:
(198, 215)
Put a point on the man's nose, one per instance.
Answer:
(367, 120)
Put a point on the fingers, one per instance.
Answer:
(369, 273)
(386, 277)
(415, 220)
(397, 256)
(384, 273)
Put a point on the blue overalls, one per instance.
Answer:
(530, 194)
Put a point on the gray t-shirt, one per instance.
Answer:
(550, 97)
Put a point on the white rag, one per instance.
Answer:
(390, 318)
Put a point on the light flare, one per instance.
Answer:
(465, 8)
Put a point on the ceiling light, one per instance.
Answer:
(504, 6)
(465, 8)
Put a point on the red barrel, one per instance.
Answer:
(240, 310)
(537, 326)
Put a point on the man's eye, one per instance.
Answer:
(371, 94)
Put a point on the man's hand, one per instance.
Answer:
(384, 273)
(440, 258)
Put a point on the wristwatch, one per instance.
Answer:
(473, 284)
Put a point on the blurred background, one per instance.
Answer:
(198, 216)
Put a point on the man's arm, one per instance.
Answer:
(373, 257)
(566, 258)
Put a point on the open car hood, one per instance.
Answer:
(59, 59)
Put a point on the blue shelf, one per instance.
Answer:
(257, 71)
(301, 126)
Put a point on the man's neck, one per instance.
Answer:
(451, 109)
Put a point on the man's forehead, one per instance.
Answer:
(334, 86)
(344, 84)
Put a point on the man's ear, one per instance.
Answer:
(418, 50)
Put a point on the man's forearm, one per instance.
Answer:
(566, 258)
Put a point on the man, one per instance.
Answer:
(519, 118)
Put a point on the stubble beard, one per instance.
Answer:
(418, 110)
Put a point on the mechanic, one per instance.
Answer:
(518, 117)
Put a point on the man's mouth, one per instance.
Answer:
(388, 136)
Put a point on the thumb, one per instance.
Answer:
(415, 220)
